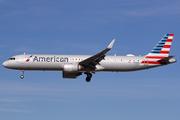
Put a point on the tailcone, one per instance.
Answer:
(172, 60)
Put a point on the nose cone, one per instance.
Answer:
(5, 64)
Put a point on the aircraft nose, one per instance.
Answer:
(5, 64)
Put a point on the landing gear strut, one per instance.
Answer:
(22, 76)
(88, 78)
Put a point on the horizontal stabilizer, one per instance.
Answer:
(165, 60)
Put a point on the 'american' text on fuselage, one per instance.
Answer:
(50, 59)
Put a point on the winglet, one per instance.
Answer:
(111, 44)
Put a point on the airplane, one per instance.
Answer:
(73, 66)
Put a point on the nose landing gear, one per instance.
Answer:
(22, 76)
(88, 78)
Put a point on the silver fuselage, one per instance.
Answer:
(56, 62)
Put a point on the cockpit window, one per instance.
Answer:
(11, 58)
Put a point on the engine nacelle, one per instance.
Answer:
(69, 75)
(71, 67)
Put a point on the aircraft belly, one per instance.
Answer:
(120, 66)
(142, 66)
(17, 65)
(37, 66)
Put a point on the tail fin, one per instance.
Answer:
(162, 49)
(160, 52)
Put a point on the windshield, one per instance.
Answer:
(11, 59)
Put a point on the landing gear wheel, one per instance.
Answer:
(88, 78)
(89, 75)
(22, 76)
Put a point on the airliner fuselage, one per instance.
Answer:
(57, 62)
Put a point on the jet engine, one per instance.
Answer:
(72, 67)
(71, 70)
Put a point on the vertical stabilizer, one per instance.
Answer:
(160, 51)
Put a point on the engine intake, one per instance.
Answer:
(72, 67)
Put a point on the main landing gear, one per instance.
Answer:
(88, 78)
(22, 76)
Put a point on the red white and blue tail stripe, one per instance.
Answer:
(160, 51)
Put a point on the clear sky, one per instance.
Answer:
(87, 27)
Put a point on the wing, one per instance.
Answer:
(92, 61)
